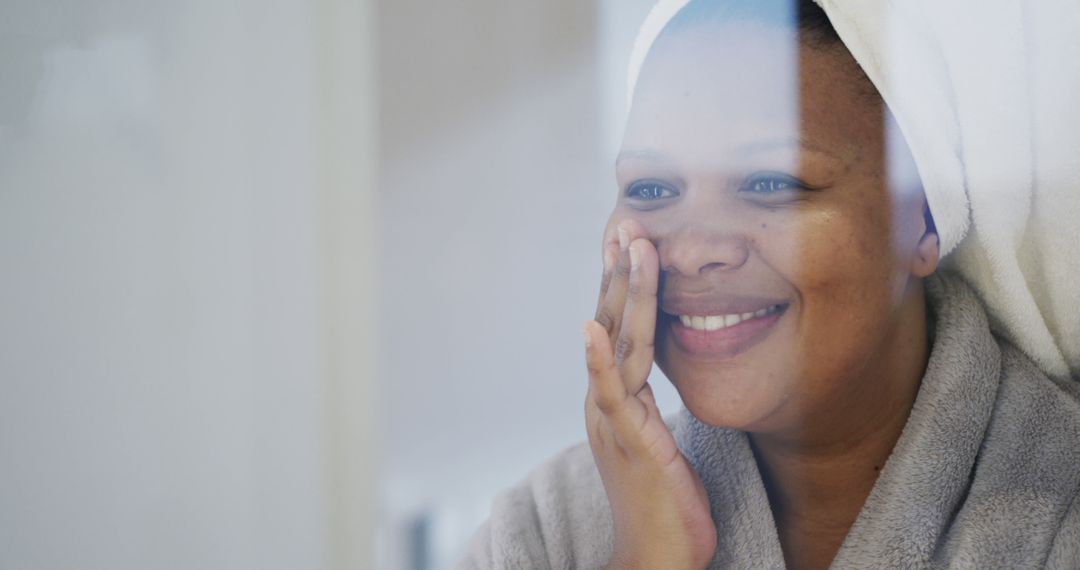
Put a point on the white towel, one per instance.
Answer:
(987, 95)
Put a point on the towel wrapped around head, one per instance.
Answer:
(986, 95)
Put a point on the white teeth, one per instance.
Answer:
(717, 322)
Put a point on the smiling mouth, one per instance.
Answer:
(725, 336)
(717, 322)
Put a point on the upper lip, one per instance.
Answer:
(674, 303)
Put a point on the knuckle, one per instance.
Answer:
(605, 279)
(606, 404)
(606, 319)
(624, 347)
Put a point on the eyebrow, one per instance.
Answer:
(646, 154)
(652, 155)
(800, 142)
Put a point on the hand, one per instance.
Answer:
(658, 503)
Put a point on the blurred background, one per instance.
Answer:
(294, 284)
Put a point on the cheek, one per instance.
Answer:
(834, 250)
(807, 246)
(844, 269)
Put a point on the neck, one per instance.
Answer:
(826, 485)
(819, 474)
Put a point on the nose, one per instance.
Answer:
(694, 250)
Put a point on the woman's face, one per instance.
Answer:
(789, 253)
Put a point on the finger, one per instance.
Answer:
(596, 425)
(609, 313)
(646, 395)
(609, 253)
(624, 412)
(634, 348)
(609, 310)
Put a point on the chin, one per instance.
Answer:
(735, 399)
(737, 379)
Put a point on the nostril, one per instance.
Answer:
(713, 266)
(696, 251)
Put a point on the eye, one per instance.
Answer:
(772, 183)
(650, 190)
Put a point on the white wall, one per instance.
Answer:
(500, 122)
(170, 330)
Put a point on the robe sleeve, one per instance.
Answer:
(510, 538)
(557, 518)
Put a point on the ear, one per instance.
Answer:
(928, 250)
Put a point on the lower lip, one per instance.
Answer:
(726, 342)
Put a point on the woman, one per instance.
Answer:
(845, 403)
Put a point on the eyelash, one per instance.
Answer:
(637, 189)
(773, 183)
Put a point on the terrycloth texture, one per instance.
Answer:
(986, 96)
(986, 474)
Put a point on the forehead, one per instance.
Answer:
(723, 89)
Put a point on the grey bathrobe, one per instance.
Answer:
(985, 475)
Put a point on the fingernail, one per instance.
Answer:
(588, 338)
(634, 258)
(624, 238)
